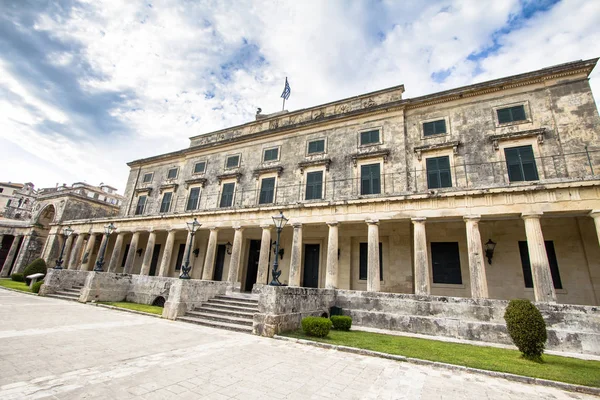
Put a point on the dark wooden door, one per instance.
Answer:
(219, 262)
(6, 243)
(154, 262)
(311, 265)
(252, 269)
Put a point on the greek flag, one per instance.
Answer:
(286, 90)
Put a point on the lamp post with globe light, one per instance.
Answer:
(185, 268)
(67, 232)
(108, 229)
(280, 222)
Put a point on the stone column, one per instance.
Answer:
(209, 260)
(166, 259)
(52, 241)
(296, 258)
(10, 257)
(596, 215)
(87, 264)
(263, 259)
(19, 264)
(236, 253)
(331, 278)
(67, 254)
(373, 277)
(479, 288)
(148, 254)
(103, 244)
(115, 258)
(421, 257)
(135, 238)
(543, 287)
(74, 260)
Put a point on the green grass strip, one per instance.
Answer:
(10, 284)
(556, 368)
(135, 306)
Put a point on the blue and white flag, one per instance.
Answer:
(286, 90)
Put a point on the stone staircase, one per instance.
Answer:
(233, 312)
(67, 294)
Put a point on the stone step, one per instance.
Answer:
(233, 303)
(220, 317)
(68, 294)
(72, 290)
(215, 324)
(63, 297)
(211, 310)
(239, 298)
(229, 307)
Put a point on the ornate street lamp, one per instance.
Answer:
(489, 250)
(280, 222)
(67, 232)
(108, 229)
(185, 268)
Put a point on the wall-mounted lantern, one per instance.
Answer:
(489, 250)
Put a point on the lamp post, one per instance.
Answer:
(280, 222)
(185, 268)
(67, 232)
(108, 229)
(489, 250)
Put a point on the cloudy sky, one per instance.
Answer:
(88, 85)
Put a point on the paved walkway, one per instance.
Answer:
(53, 348)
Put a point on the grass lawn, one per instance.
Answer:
(9, 283)
(135, 306)
(556, 368)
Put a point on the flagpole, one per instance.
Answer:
(283, 108)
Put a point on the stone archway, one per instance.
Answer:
(46, 216)
(43, 220)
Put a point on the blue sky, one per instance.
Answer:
(86, 86)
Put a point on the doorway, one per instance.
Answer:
(154, 262)
(312, 254)
(252, 268)
(219, 262)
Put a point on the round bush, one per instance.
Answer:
(36, 267)
(36, 286)
(341, 322)
(526, 328)
(316, 326)
(17, 277)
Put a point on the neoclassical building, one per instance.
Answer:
(486, 191)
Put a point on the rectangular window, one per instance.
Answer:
(267, 191)
(316, 146)
(180, 254)
(369, 137)
(147, 177)
(370, 179)
(193, 199)
(141, 205)
(364, 257)
(520, 163)
(438, 172)
(434, 127)
(200, 167)
(511, 114)
(227, 194)
(526, 265)
(172, 174)
(445, 262)
(125, 256)
(165, 204)
(314, 185)
(271, 155)
(232, 162)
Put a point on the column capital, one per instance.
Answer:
(266, 226)
(214, 228)
(172, 230)
(333, 223)
(532, 215)
(418, 220)
(297, 225)
(595, 213)
(474, 218)
(238, 228)
(372, 221)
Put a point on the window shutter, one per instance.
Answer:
(266, 191)
(518, 113)
(504, 115)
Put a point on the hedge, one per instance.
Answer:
(36, 286)
(341, 322)
(37, 266)
(316, 326)
(526, 328)
(17, 277)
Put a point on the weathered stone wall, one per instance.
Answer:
(105, 286)
(145, 289)
(59, 279)
(185, 295)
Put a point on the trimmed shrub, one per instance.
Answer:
(36, 286)
(37, 266)
(17, 277)
(316, 326)
(341, 322)
(526, 328)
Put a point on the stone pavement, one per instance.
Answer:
(52, 348)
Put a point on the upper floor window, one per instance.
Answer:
(271, 154)
(165, 204)
(172, 173)
(147, 177)
(1, 190)
(193, 199)
(434, 127)
(526, 264)
(438, 172)
(227, 194)
(369, 137)
(511, 114)
(370, 179)
(232, 162)
(520, 164)
(316, 146)
(445, 263)
(314, 185)
(141, 205)
(200, 167)
(267, 191)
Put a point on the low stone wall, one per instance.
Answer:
(282, 308)
(145, 289)
(184, 295)
(105, 286)
(60, 279)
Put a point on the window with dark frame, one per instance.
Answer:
(364, 260)
(180, 255)
(200, 167)
(233, 162)
(193, 199)
(369, 137)
(526, 264)
(172, 174)
(520, 164)
(227, 195)
(271, 154)
(445, 263)
(434, 127)
(438, 172)
(316, 146)
(147, 177)
(267, 191)
(165, 204)
(511, 114)
(125, 256)
(314, 185)
(141, 204)
(370, 179)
